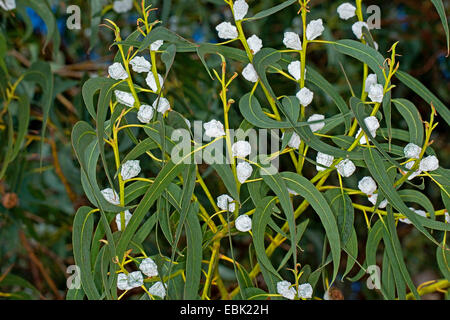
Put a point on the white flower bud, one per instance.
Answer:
(124, 98)
(362, 140)
(162, 105)
(357, 28)
(409, 165)
(292, 192)
(119, 220)
(243, 223)
(130, 169)
(151, 82)
(122, 6)
(149, 267)
(412, 150)
(117, 71)
(292, 41)
(373, 199)
(225, 202)
(140, 64)
(305, 96)
(286, 290)
(241, 149)
(255, 44)
(429, 163)
(324, 159)
(346, 168)
(111, 196)
(8, 4)
(372, 123)
(135, 279)
(305, 291)
(227, 31)
(346, 11)
(295, 140)
(370, 80)
(314, 29)
(214, 129)
(156, 45)
(249, 73)
(367, 185)
(447, 217)
(240, 8)
(158, 289)
(376, 93)
(244, 171)
(145, 113)
(294, 69)
(419, 212)
(316, 126)
(122, 282)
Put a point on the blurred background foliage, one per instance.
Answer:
(41, 188)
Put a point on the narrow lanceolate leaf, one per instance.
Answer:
(413, 119)
(40, 73)
(23, 121)
(363, 53)
(226, 175)
(307, 190)
(443, 15)
(83, 226)
(424, 93)
(317, 79)
(351, 248)
(90, 88)
(193, 254)
(85, 146)
(443, 260)
(341, 205)
(260, 219)
(42, 8)
(376, 167)
(229, 52)
(394, 251)
(277, 185)
(164, 178)
(270, 11)
(168, 36)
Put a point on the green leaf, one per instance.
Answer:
(83, 226)
(164, 178)
(377, 169)
(42, 8)
(412, 117)
(351, 248)
(193, 254)
(161, 33)
(270, 11)
(277, 185)
(341, 205)
(363, 53)
(307, 190)
(317, 79)
(90, 88)
(443, 260)
(424, 93)
(229, 52)
(394, 251)
(443, 15)
(41, 74)
(260, 219)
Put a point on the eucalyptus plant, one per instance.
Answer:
(156, 228)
